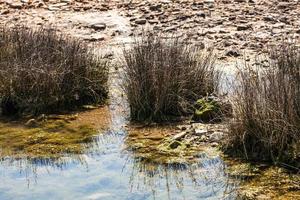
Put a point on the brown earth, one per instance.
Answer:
(233, 27)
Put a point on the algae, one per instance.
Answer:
(50, 136)
(155, 145)
(206, 110)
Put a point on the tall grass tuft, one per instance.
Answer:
(42, 70)
(267, 110)
(165, 76)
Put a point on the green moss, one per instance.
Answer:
(207, 110)
(52, 138)
(154, 146)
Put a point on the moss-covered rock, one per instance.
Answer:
(211, 109)
(206, 110)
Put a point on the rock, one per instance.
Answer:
(31, 123)
(155, 7)
(183, 127)
(214, 144)
(243, 27)
(153, 21)
(140, 21)
(42, 117)
(171, 28)
(209, 1)
(97, 26)
(53, 8)
(200, 132)
(283, 5)
(203, 138)
(4, 12)
(211, 109)
(232, 53)
(15, 5)
(206, 110)
(180, 135)
(174, 144)
(216, 136)
(201, 14)
(94, 38)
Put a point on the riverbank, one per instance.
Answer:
(105, 156)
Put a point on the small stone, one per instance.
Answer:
(201, 14)
(140, 21)
(16, 5)
(203, 138)
(243, 27)
(200, 132)
(31, 123)
(174, 144)
(155, 7)
(232, 53)
(214, 144)
(98, 26)
(180, 135)
(4, 12)
(209, 1)
(153, 21)
(216, 136)
(94, 38)
(53, 8)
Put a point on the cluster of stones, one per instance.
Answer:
(53, 5)
(200, 134)
(230, 26)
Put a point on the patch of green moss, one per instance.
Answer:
(155, 148)
(206, 110)
(51, 138)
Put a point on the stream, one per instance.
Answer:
(110, 171)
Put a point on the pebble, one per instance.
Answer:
(140, 21)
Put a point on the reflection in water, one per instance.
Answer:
(110, 172)
(202, 180)
(107, 170)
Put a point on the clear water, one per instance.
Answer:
(112, 173)
(108, 172)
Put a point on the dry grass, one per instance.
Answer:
(164, 77)
(45, 71)
(267, 110)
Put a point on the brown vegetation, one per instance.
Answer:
(267, 110)
(44, 71)
(164, 77)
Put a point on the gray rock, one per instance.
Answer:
(94, 38)
(15, 5)
(140, 21)
(232, 53)
(216, 136)
(200, 132)
(203, 138)
(243, 27)
(97, 26)
(214, 144)
(31, 123)
(180, 135)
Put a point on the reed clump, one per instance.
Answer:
(266, 123)
(44, 71)
(165, 76)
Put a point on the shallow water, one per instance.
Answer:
(107, 170)
(112, 174)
